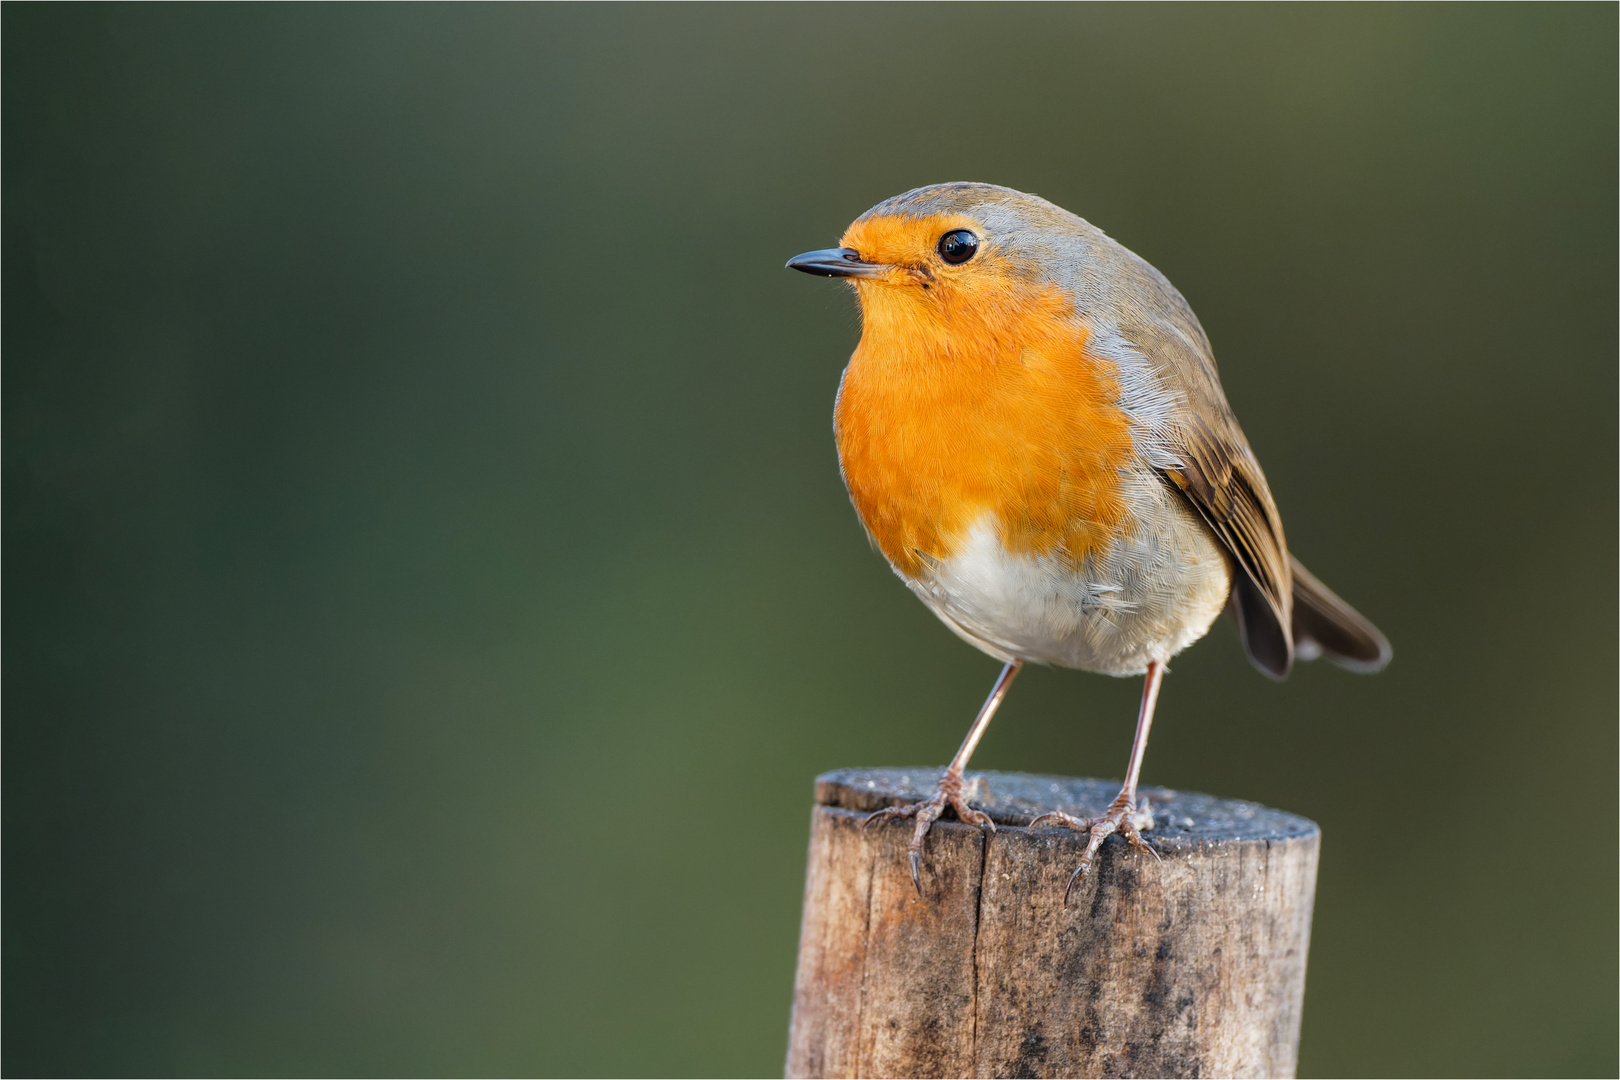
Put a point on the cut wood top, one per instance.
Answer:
(1191, 964)
(1180, 818)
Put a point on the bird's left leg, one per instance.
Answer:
(1122, 816)
(952, 790)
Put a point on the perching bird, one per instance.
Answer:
(1034, 435)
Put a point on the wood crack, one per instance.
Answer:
(978, 924)
(866, 948)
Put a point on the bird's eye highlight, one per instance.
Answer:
(958, 246)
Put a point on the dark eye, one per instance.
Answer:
(958, 246)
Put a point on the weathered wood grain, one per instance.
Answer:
(1191, 966)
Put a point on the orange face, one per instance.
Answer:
(911, 245)
(972, 394)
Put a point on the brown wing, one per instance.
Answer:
(1277, 602)
(1272, 590)
(1223, 481)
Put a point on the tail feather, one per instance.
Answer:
(1324, 625)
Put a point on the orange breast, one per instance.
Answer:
(975, 402)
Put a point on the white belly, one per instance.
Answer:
(1146, 598)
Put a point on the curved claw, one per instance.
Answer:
(973, 817)
(1142, 845)
(889, 813)
(1086, 860)
(1079, 872)
(1133, 824)
(1058, 817)
(916, 872)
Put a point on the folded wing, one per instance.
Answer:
(1222, 480)
(1282, 610)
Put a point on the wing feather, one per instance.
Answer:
(1200, 448)
(1223, 481)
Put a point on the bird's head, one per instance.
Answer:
(959, 258)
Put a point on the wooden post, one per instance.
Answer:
(1193, 966)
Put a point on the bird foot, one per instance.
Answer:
(1122, 816)
(952, 791)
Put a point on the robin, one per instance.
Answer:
(1033, 433)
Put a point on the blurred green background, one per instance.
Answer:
(429, 588)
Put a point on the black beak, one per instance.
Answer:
(836, 262)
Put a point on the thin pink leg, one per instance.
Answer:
(952, 788)
(1144, 721)
(986, 711)
(1121, 815)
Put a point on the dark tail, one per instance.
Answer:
(1324, 625)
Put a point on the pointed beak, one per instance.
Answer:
(836, 262)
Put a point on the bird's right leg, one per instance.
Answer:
(1122, 815)
(952, 790)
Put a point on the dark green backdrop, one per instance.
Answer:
(428, 587)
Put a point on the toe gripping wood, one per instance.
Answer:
(1191, 966)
